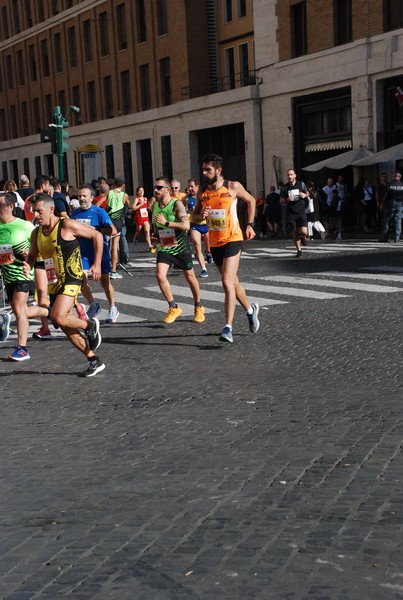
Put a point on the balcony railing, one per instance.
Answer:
(222, 84)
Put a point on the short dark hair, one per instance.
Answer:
(87, 186)
(195, 181)
(165, 180)
(213, 159)
(40, 180)
(42, 197)
(9, 199)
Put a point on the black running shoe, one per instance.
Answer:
(93, 336)
(94, 367)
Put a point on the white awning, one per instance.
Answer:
(339, 161)
(329, 145)
(391, 154)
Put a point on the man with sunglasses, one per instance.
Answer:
(171, 224)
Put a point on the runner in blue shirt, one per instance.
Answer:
(95, 216)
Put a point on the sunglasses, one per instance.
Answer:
(175, 187)
(160, 187)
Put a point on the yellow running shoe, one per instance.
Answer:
(199, 314)
(172, 314)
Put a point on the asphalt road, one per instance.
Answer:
(195, 470)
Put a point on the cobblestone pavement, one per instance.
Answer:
(189, 469)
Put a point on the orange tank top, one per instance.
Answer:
(223, 223)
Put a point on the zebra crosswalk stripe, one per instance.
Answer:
(286, 291)
(345, 285)
(214, 296)
(371, 276)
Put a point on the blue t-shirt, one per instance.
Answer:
(97, 217)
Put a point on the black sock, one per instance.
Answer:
(198, 303)
(173, 304)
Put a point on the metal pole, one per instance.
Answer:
(59, 137)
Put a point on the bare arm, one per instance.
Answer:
(237, 189)
(32, 254)
(180, 213)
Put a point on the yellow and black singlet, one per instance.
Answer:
(62, 258)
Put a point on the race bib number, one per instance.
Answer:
(86, 222)
(143, 213)
(50, 270)
(293, 195)
(168, 237)
(6, 255)
(216, 219)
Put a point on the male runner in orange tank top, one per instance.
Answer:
(217, 203)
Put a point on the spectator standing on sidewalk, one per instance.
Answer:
(393, 208)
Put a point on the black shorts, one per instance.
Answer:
(225, 251)
(28, 287)
(118, 224)
(297, 218)
(183, 262)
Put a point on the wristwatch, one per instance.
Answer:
(167, 223)
(251, 224)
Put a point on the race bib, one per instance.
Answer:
(86, 222)
(6, 255)
(293, 195)
(216, 219)
(168, 237)
(50, 270)
(143, 213)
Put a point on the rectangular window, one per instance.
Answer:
(13, 121)
(20, 67)
(32, 63)
(141, 21)
(87, 40)
(92, 102)
(103, 33)
(244, 64)
(229, 69)
(1, 80)
(28, 14)
(241, 8)
(24, 118)
(162, 17)
(9, 72)
(75, 95)
(55, 7)
(68, 3)
(40, 9)
(165, 81)
(110, 162)
(38, 167)
(128, 166)
(4, 169)
(4, 23)
(108, 97)
(166, 154)
(72, 45)
(48, 108)
(227, 8)
(62, 100)
(16, 17)
(342, 19)
(125, 92)
(45, 58)
(298, 29)
(57, 42)
(121, 26)
(145, 87)
(393, 14)
(36, 115)
(3, 129)
(25, 164)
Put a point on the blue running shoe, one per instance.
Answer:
(254, 323)
(19, 354)
(5, 319)
(226, 335)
